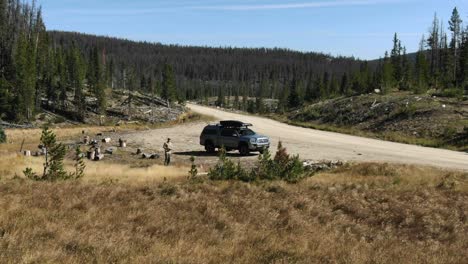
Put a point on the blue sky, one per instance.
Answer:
(360, 28)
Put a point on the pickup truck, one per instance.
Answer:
(233, 135)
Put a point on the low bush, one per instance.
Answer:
(281, 167)
(454, 92)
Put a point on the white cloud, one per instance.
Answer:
(296, 5)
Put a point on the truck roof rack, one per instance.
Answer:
(234, 123)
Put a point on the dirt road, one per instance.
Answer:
(308, 143)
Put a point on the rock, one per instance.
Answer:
(91, 154)
(86, 140)
(27, 153)
(110, 151)
(145, 155)
(139, 151)
(99, 157)
(377, 91)
(317, 166)
(155, 156)
(106, 140)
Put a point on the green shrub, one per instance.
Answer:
(282, 167)
(193, 169)
(3, 137)
(225, 169)
(53, 166)
(453, 92)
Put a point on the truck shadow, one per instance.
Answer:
(215, 154)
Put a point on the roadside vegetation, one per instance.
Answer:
(355, 214)
(273, 211)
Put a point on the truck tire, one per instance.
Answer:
(244, 150)
(209, 147)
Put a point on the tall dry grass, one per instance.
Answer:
(357, 214)
(12, 165)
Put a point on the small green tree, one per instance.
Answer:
(193, 172)
(80, 165)
(3, 137)
(53, 165)
(225, 169)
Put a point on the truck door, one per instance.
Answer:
(229, 138)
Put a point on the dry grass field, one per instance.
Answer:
(362, 213)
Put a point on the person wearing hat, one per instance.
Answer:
(167, 152)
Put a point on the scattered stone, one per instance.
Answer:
(317, 166)
(145, 155)
(86, 140)
(91, 154)
(110, 151)
(106, 140)
(122, 143)
(99, 157)
(155, 156)
(139, 151)
(377, 91)
(99, 134)
(27, 153)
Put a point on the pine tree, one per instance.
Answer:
(168, 84)
(433, 42)
(405, 72)
(25, 79)
(77, 74)
(396, 59)
(463, 69)
(283, 101)
(221, 101)
(245, 97)
(455, 27)
(96, 79)
(344, 86)
(421, 69)
(294, 101)
(387, 74)
(310, 94)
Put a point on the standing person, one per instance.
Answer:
(167, 152)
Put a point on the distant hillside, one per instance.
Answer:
(220, 66)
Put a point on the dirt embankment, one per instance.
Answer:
(403, 117)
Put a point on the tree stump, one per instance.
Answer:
(122, 143)
(91, 154)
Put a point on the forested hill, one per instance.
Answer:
(221, 65)
(61, 70)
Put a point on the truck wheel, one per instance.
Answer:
(244, 150)
(209, 147)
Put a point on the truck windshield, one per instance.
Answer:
(247, 132)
